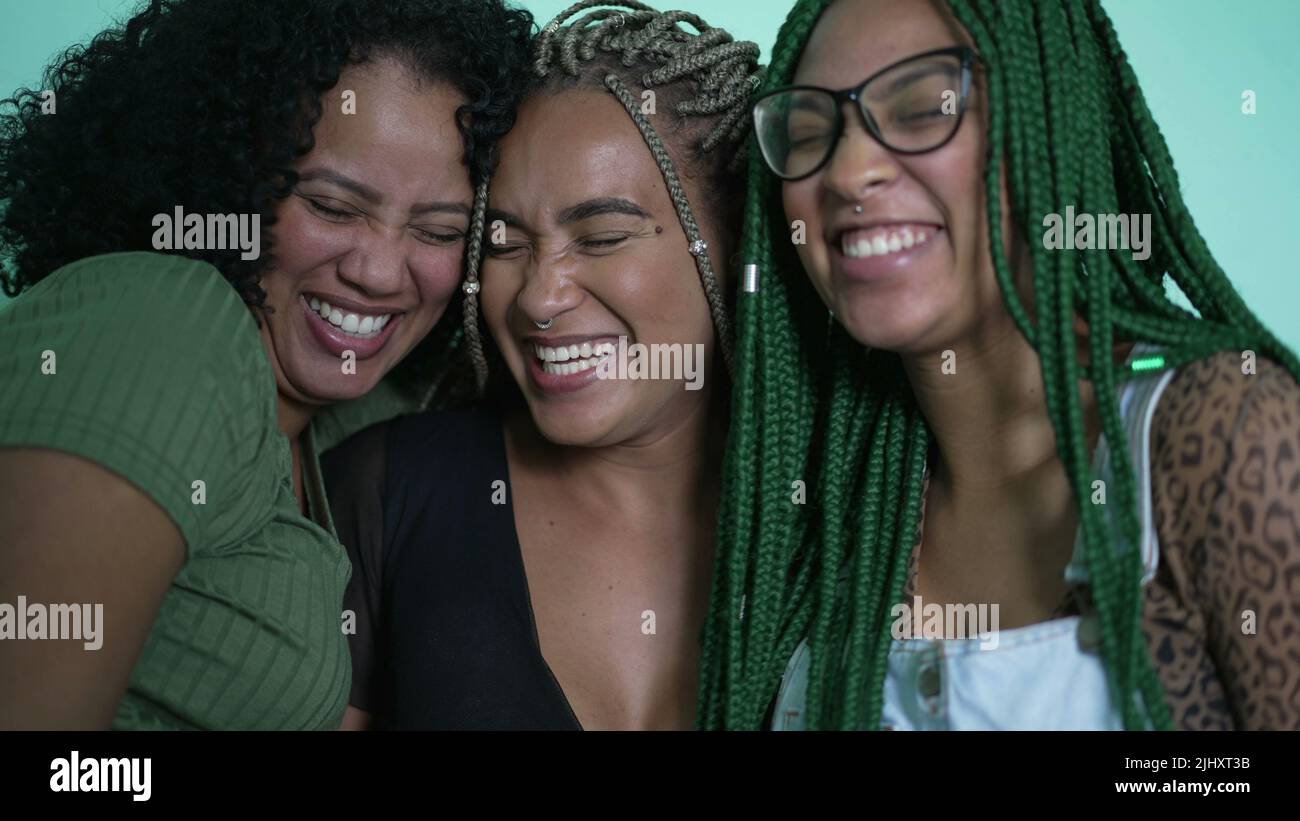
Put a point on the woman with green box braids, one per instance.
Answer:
(993, 432)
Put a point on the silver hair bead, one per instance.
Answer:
(470, 287)
(751, 278)
(699, 247)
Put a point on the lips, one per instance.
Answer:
(881, 240)
(566, 364)
(334, 338)
(880, 249)
(360, 325)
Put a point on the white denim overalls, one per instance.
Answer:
(1046, 676)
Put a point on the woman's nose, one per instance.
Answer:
(859, 163)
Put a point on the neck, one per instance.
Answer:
(988, 412)
(293, 416)
(675, 469)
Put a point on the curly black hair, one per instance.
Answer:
(206, 104)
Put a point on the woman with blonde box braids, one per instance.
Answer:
(543, 561)
(989, 421)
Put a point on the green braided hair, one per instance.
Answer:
(1066, 111)
(705, 78)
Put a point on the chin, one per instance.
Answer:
(318, 385)
(587, 422)
(569, 428)
(873, 328)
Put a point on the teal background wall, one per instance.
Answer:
(1240, 174)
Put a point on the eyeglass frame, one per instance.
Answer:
(969, 59)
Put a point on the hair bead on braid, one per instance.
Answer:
(712, 73)
(1066, 113)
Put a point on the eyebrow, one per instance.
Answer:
(574, 213)
(601, 205)
(916, 73)
(362, 190)
(493, 214)
(372, 196)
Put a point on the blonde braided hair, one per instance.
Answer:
(723, 72)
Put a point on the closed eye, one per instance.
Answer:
(603, 242)
(438, 238)
(504, 250)
(332, 214)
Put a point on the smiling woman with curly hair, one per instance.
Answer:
(163, 412)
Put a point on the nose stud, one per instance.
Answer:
(542, 326)
(858, 209)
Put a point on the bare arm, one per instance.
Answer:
(355, 719)
(76, 533)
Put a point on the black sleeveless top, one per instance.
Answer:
(444, 632)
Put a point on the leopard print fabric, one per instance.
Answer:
(1222, 616)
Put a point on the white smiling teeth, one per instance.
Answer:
(879, 241)
(359, 325)
(571, 359)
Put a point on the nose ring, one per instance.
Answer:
(542, 326)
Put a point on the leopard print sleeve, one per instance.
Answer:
(1226, 483)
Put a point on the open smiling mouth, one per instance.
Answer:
(565, 360)
(885, 239)
(342, 331)
(877, 251)
(560, 365)
(362, 326)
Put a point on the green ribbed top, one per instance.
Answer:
(160, 375)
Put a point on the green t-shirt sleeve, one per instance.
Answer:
(151, 366)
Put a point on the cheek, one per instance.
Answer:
(959, 183)
(662, 299)
(437, 273)
(302, 242)
(799, 199)
(500, 284)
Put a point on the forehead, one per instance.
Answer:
(571, 146)
(854, 39)
(400, 139)
(389, 105)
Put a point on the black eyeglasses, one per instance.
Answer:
(911, 107)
